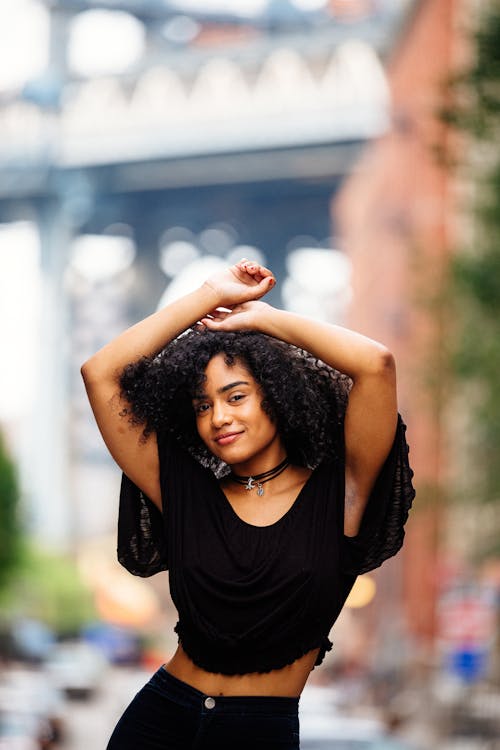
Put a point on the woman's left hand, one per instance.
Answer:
(244, 317)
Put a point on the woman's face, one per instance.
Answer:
(230, 419)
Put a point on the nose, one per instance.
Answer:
(220, 414)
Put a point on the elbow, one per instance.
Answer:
(92, 372)
(84, 371)
(379, 363)
(87, 370)
(387, 362)
(382, 363)
(387, 368)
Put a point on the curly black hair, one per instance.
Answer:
(304, 397)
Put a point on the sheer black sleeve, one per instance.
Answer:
(142, 542)
(142, 545)
(382, 528)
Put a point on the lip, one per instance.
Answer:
(227, 438)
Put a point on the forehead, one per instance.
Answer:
(219, 373)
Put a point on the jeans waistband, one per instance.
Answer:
(191, 697)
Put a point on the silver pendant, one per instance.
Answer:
(260, 490)
(250, 484)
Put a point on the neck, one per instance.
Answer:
(259, 464)
(274, 471)
(257, 481)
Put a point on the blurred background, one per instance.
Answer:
(352, 146)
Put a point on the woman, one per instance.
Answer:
(265, 465)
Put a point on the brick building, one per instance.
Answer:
(395, 216)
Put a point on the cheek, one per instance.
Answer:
(266, 426)
(201, 428)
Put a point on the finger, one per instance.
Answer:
(215, 324)
(254, 272)
(241, 265)
(260, 289)
(242, 273)
(267, 283)
(256, 268)
(258, 272)
(214, 319)
(218, 313)
(252, 267)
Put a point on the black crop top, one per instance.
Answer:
(250, 598)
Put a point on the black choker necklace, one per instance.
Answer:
(259, 479)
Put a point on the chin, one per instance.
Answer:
(233, 455)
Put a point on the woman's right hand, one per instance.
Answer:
(243, 282)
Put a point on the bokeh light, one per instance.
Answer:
(362, 592)
(24, 42)
(100, 257)
(104, 42)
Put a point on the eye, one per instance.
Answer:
(201, 408)
(236, 396)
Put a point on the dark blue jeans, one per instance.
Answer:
(168, 714)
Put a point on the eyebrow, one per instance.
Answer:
(223, 389)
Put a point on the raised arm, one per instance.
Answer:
(371, 416)
(137, 457)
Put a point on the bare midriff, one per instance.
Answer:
(286, 682)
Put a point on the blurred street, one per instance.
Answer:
(85, 722)
(89, 723)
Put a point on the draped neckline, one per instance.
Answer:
(226, 503)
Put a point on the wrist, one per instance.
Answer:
(268, 319)
(213, 296)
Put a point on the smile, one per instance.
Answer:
(227, 438)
